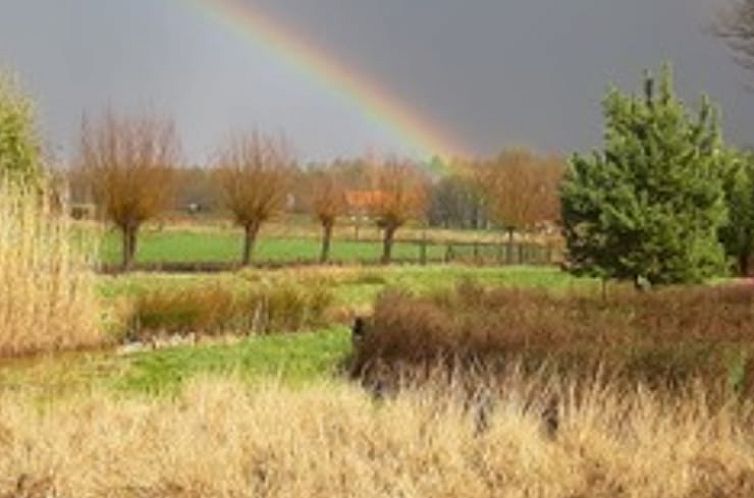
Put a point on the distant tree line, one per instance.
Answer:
(131, 169)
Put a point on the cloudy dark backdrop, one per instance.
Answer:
(495, 73)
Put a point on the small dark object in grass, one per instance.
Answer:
(551, 417)
(483, 405)
(358, 329)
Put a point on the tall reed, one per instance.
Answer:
(47, 296)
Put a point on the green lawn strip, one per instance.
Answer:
(417, 279)
(292, 359)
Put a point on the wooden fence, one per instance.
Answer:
(413, 252)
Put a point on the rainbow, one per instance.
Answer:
(374, 103)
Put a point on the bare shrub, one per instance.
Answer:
(735, 26)
(48, 301)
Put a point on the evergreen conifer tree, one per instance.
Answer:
(649, 206)
(737, 234)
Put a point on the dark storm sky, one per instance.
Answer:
(495, 73)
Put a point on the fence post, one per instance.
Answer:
(509, 252)
(448, 252)
(423, 249)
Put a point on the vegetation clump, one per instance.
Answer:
(208, 310)
(667, 338)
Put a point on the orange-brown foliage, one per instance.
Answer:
(522, 188)
(399, 194)
(254, 173)
(327, 198)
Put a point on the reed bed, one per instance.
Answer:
(219, 438)
(47, 297)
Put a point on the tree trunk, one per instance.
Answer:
(509, 252)
(133, 238)
(125, 250)
(387, 244)
(744, 264)
(326, 238)
(129, 235)
(250, 238)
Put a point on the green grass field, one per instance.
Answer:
(176, 246)
(224, 246)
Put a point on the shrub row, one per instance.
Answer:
(664, 337)
(212, 310)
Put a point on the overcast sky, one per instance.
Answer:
(494, 73)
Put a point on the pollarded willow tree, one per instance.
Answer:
(649, 206)
(521, 190)
(254, 173)
(20, 150)
(399, 194)
(327, 201)
(129, 165)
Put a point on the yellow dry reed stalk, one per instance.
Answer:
(47, 294)
(221, 439)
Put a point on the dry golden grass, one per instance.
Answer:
(46, 282)
(221, 439)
